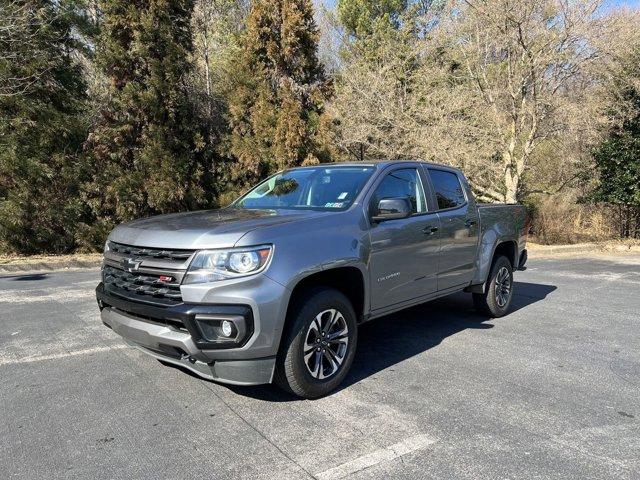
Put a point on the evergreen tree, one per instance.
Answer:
(42, 126)
(618, 156)
(379, 56)
(275, 106)
(147, 145)
(372, 26)
(363, 18)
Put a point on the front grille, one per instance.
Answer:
(146, 252)
(141, 287)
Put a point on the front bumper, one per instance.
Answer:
(171, 334)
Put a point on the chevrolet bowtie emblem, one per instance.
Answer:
(130, 265)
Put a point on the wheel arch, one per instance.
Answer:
(349, 280)
(509, 249)
(486, 258)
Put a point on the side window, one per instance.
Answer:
(448, 189)
(403, 183)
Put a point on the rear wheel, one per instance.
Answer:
(318, 350)
(496, 299)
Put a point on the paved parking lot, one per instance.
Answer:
(550, 391)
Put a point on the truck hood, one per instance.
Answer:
(203, 229)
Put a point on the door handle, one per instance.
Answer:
(429, 230)
(470, 223)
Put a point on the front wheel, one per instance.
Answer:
(496, 299)
(319, 347)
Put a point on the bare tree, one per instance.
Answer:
(216, 25)
(375, 105)
(518, 61)
(506, 89)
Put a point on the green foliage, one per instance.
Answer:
(148, 145)
(618, 163)
(372, 26)
(42, 127)
(617, 158)
(362, 18)
(275, 106)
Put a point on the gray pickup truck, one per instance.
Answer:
(273, 287)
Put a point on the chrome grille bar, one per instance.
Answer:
(151, 253)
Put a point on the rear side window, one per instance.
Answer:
(448, 189)
(403, 183)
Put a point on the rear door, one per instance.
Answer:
(404, 252)
(459, 222)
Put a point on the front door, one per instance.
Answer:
(458, 229)
(404, 252)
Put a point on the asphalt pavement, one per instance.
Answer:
(437, 391)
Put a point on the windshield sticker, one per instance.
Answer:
(343, 195)
(334, 204)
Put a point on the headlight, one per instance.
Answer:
(107, 246)
(214, 265)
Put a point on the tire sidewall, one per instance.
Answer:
(300, 380)
(496, 309)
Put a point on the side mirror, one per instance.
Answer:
(392, 209)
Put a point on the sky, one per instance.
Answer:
(619, 3)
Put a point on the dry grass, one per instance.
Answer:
(609, 247)
(14, 263)
(560, 220)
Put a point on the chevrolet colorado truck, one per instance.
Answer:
(273, 287)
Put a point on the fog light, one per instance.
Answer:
(227, 328)
(213, 329)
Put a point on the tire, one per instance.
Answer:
(298, 369)
(496, 300)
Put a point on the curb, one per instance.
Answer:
(539, 251)
(51, 265)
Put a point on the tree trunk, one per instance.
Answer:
(512, 168)
(511, 183)
(207, 73)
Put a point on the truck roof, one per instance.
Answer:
(381, 163)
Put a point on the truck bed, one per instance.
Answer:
(499, 223)
(508, 218)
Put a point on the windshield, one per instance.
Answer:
(326, 188)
